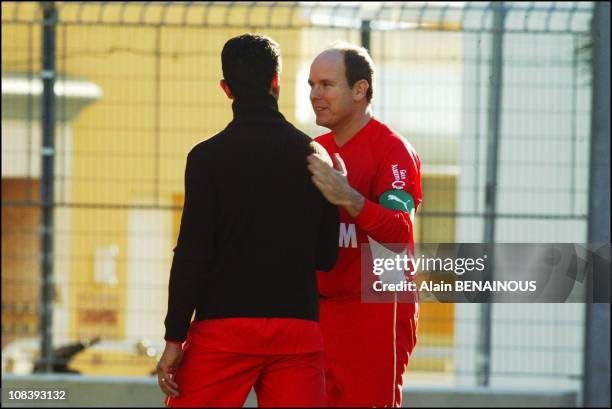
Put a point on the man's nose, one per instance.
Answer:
(314, 93)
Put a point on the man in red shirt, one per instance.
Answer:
(376, 185)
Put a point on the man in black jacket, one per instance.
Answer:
(254, 230)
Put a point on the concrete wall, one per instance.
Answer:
(85, 391)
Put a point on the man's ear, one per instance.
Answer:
(275, 85)
(360, 90)
(226, 89)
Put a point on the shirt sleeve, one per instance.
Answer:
(193, 252)
(400, 169)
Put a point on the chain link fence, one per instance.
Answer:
(136, 86)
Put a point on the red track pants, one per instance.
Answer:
(367, 347)
(210, 376)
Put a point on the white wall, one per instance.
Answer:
(149, 246)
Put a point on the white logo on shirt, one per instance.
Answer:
(348, 236)
(398, 184)
(399, 175)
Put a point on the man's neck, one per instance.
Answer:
(344, 132)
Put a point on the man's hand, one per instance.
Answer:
(167, 366)
(333, 184)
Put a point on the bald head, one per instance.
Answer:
(330, 65)
(330, 55)
(356, 63)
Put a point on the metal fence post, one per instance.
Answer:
(483, 364)
(366, 34)
(596, 379)
(48, 75)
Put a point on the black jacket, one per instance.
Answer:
(254, 228)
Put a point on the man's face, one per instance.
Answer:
(331, 97)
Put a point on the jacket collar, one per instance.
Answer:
(256, 108)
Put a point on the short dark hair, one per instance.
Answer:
(249, 62)
(358, 65)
